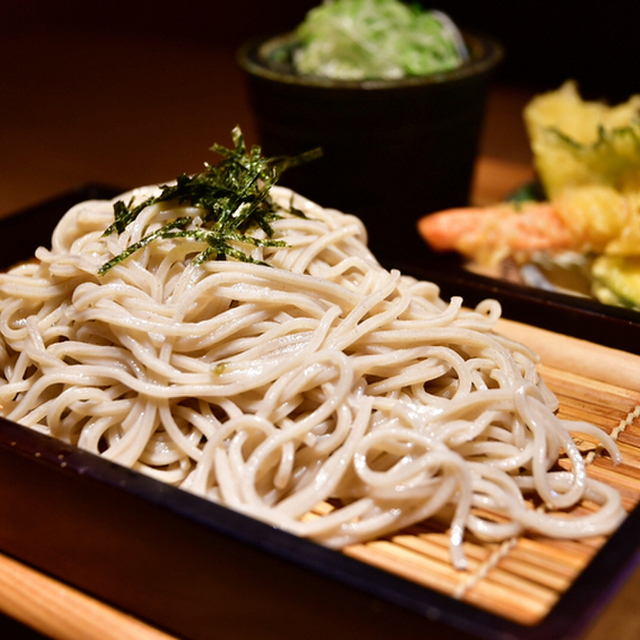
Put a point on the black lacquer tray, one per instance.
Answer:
(199, 570)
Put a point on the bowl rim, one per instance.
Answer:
(486, 53)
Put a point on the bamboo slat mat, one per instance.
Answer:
(522, 578)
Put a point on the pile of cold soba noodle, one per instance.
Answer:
(318, 378)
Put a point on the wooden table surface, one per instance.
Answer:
(82, 107)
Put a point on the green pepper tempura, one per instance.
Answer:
(376, 39)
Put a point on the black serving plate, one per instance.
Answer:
(199, 570)
(584, 318)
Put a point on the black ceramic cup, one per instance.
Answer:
(393, 150)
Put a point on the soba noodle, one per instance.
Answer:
(273, 389)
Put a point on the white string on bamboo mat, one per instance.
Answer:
(494, 558)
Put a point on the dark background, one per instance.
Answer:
(546, 42)
(132, 92)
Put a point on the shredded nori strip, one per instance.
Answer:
(232, 198)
